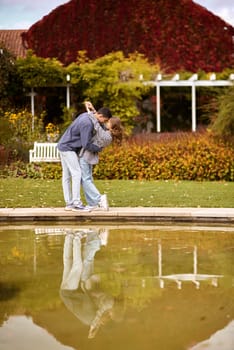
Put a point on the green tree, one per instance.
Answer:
(9, 80)
(47, 76)
(223, 124)
(114, 81)
(40, 72)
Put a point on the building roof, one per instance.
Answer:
(12, 41)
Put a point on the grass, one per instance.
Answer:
(18, 192)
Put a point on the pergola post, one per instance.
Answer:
(193, 79)
(158, 107)
(194, 108)
(68, 78)
(158, 117)
(32, 95)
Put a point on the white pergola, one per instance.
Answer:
(179, 278)
(32, 95)
(192, 82)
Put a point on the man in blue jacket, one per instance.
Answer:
(76, 137)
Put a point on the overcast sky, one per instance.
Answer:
(21, 14)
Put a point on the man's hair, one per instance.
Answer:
(105, 112)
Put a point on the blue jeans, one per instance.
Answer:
(78, 260)
(72, 263)
(91, 193)
(71, 177)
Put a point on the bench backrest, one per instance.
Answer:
(44, 152)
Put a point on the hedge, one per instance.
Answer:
(192, 157)
(200, 158)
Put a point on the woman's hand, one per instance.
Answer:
(89, 107)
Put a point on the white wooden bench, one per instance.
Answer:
(44, 152)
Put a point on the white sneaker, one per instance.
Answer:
(104, 202)
(69, 207)
(80, 207)
(92, 207)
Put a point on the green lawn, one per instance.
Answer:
(18, 192)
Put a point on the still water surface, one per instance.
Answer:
(116, 287)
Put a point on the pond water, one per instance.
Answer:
(116, 287)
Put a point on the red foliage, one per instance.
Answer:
(178, 34)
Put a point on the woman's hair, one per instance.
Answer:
(116, 129)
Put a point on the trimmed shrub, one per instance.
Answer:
(185, 156)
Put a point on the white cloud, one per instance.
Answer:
(22, 14)
(221, 8)
(228, 15)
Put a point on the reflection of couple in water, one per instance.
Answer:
(80, 288)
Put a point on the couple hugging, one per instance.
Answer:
(79, 147)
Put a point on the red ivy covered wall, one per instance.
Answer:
(178, 34)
